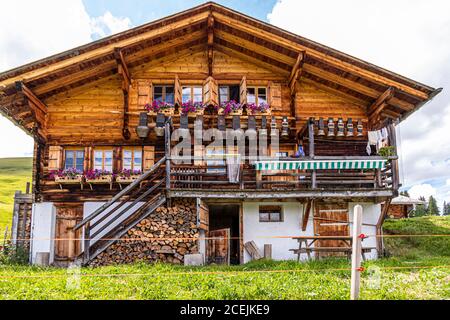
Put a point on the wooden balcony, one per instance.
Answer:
(213, 181)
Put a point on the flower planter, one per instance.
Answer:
(105, 179)
(168, 111)
(232, 113)
(69, 181)
(258, 113)
(122, 180)
(199, 112)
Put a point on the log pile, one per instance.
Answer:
(176, 226)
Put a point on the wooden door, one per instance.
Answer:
(218, 246)
(67, 240)
(331, 220)
(202, 215)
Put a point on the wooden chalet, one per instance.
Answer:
(86, 110)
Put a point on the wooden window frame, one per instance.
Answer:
(74, 150)
(256, 88)
(191, 87)
(103, 150)
(271, 209)
(228, 91)
(164, 91)
(133, 150)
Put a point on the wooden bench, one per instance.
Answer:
(347, 250)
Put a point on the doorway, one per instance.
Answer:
(224, 228)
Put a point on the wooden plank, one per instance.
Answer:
(252, 250)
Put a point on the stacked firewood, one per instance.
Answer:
(166, 235)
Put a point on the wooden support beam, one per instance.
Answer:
(122, 69)
(210, 44)
(21, 87)
(296, 71)
(309, 205)
(375, 110)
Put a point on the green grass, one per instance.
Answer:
(14, 174)
(383, 279)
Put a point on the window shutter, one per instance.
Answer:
(199, 152)
(202, 215)
(55, 158)
(210, 92)
(88, 156)
(274, 96)
(243, 90)
(148, 157)
(117, 159)
(144, 92)
(178, 91)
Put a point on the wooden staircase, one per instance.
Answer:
(124, 211)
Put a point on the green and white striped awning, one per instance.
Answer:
(320, 164)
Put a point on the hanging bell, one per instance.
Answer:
(321, 130)
(349, 127)
(359, 128)
(273, 128)
(160, 122)
(330, 127)
(142, 130)
(263, 130)
(285, 127)
(340, 132)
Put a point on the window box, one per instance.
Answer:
(230, 108)
(263, 109)
(192, 108)
(158, 106)
(69, 176)
(127, 176)
(99, 177)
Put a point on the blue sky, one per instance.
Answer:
(141, 12)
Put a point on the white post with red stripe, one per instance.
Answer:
(356, 253)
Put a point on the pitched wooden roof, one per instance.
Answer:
(210, 26)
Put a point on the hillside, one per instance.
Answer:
(14, 174)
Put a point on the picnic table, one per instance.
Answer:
(307, 248)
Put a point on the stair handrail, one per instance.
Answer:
(122, 193)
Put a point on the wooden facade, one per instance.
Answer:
(85, 105)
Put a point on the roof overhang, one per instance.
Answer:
(386, 95)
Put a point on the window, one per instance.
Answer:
(256, 95)
(215, 157)
(103, 160)
(74, 159)
(227, 93)
(164, 93)
(270, 214)
(132, 158)
(192, 93)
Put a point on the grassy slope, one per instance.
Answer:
(14, 174)
(313, 280)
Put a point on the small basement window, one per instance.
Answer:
(132, 158)
(270, 214)
(164, 93)
(74, 159)
(103, 160)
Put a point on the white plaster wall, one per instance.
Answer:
(90, 207)
(42, 230)
(371, 214)
(267, 232)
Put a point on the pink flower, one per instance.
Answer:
(190, 106)
(230, 106)
(158, 105)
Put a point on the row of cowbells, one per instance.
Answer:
(143, 130)
(340, 132)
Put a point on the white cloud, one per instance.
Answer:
(31, 30)
(424, 190)
(108, 24)
(410, 38)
